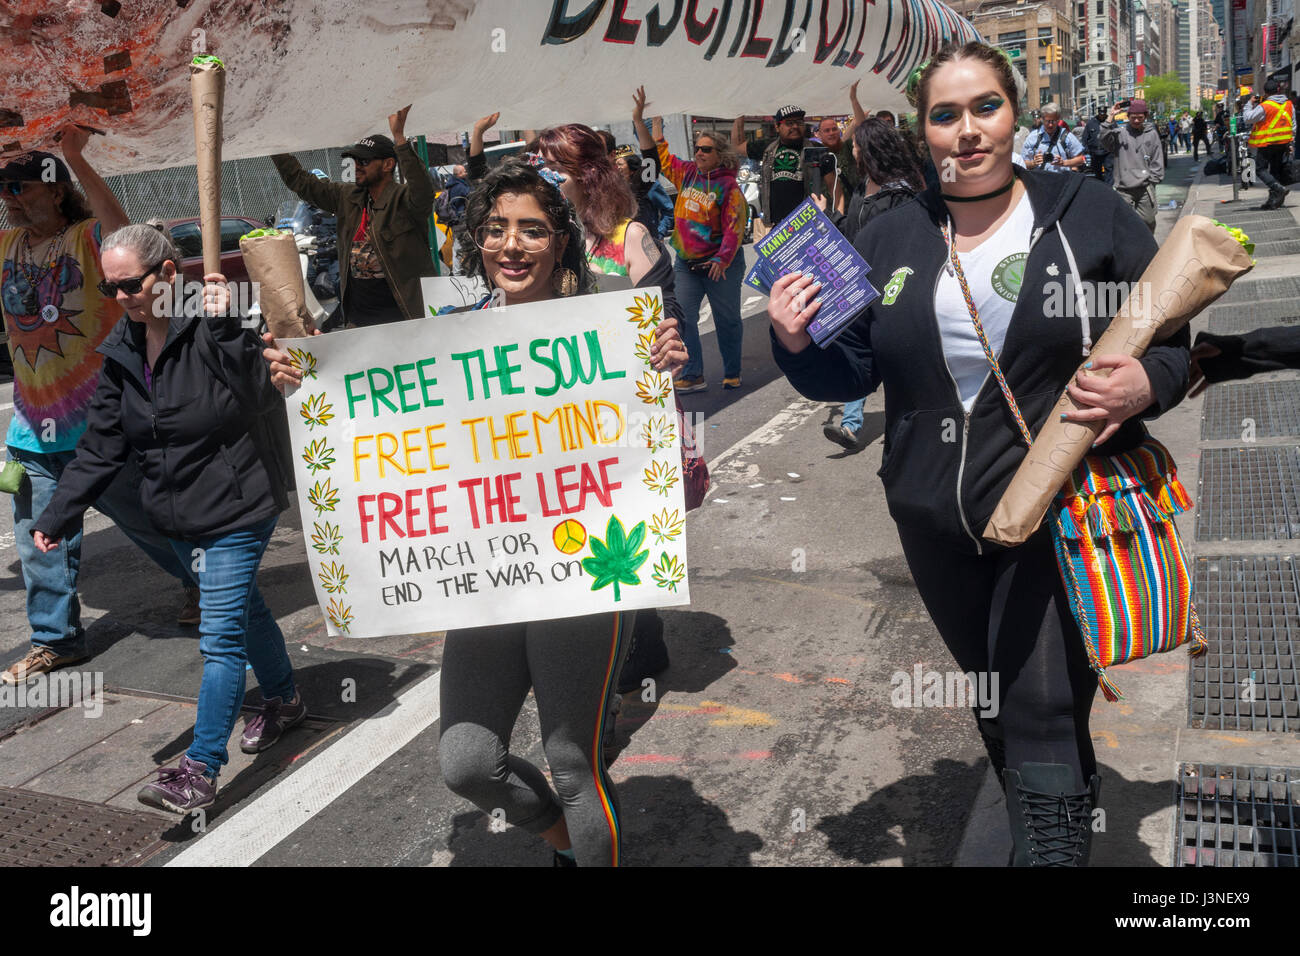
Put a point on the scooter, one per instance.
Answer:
(1245, 161)
(747, 177)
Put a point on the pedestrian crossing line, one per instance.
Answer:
(268, 819)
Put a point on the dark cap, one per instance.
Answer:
(372, 147)
(789, 112)
(34, 167)
(1137, 106)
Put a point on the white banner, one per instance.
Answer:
(311, 73)
(495, 466)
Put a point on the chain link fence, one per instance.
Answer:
(249, 187)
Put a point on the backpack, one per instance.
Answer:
(269, 426)
(450, 210)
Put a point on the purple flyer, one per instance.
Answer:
(807, 241)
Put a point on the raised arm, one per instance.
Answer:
(643, 136)
(859, 114)
(103, 203)
(738, 136)
(476, 167)
(419, 184)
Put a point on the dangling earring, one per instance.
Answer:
(564, 281)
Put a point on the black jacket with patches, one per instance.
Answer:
(192, 435)
(944, 470)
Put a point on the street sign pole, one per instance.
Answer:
(1230, 99)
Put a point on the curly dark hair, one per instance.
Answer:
(73, 206)
(516, 176)
(885, 154)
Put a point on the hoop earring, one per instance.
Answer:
(564, 281)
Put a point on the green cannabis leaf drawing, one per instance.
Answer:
(318, 456)
(615, 560)
(668, 572)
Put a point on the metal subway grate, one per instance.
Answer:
(1273, 217)
(1288, 248)
(1257, 409)
(1249, 494)
(1260, 289)
(1238, 816)
(1252, 316)
(1250, 611)
(37, 829)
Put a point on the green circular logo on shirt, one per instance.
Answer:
(1008, 274)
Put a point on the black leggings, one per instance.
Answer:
(1007, 613)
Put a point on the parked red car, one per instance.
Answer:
(185, 233)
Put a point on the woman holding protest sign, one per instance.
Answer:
(184, 396)
(952, 444)
(524, 240)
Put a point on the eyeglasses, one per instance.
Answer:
(493, 237)
(704, 149)
(13, 187)
(129, 286)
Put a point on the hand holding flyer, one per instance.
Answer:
(807, 241)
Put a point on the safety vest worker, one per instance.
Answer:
(1277, 126)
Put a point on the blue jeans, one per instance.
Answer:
(724, 298)
(53, 611)
(237, 629)
(852, 417)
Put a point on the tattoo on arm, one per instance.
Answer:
(649, 248)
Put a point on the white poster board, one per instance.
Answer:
(495, 466)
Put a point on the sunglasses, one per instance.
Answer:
(13, 187)
(704, 149)
(367, 162)
(130, 286)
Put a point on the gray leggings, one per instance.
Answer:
(572, 665)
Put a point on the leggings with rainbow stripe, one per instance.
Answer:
(572, 666)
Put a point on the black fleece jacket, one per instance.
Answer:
(944, 470)
(202, 472)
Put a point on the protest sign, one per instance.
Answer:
(488, 467)
(121, 67)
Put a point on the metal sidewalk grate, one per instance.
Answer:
(1258, 409)
(1250, 611)
(1249, 494)
(37, 829)
(1287, 248)
(1252, 316)
(1237, 816)
(1260, 289)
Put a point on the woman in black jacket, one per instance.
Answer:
(951, 444)
(889, 177)
(185, 396)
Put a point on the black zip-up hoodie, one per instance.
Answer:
(202, 472)
(944, 470)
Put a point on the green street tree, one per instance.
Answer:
(1164, 92)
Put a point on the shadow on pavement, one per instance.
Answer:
(665, 823)
(898, 820)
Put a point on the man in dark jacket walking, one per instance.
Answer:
(383, 226)
(782, 184)
(1098, 158)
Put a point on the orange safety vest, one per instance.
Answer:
(1277, 126)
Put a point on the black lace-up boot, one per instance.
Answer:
(1050, 825)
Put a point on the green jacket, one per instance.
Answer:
(400, 222)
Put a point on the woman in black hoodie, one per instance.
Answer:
(185, 395)
(951, 443)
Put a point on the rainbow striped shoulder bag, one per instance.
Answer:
(1117, 547)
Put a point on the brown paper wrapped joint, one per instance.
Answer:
(208, 91)
(272, 263)
(1195, 265)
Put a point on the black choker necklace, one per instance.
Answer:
(996, 192)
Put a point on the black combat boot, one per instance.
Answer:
(1050, 826)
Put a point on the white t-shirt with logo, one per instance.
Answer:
(994, 270)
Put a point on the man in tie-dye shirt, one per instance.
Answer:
(56, 318)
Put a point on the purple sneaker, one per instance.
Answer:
(265, 728)
(180, 789)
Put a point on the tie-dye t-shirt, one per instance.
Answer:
(56, 367)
